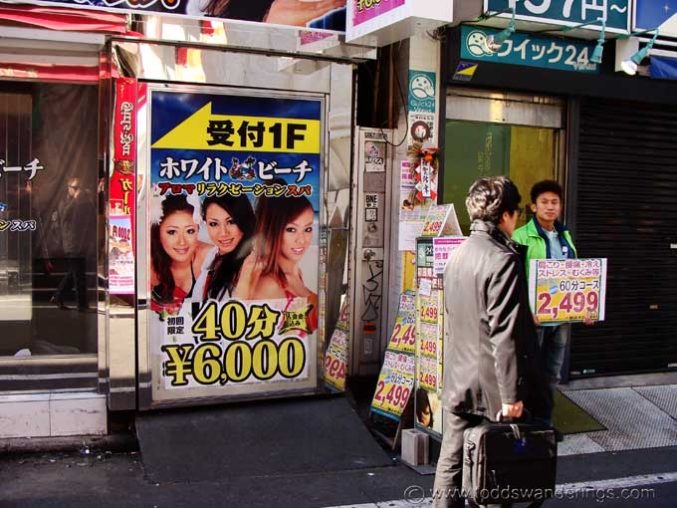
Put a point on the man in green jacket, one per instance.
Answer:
(545, 237)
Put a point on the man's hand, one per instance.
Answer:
(512, 410)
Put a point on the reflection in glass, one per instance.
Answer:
(48, 217)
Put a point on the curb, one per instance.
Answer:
(26, 445)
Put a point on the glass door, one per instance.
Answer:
(48, 224)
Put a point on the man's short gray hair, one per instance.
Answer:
(489, 197)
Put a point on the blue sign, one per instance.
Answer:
(569, 12)
(528, 49)
(650, 14)
(663, 67)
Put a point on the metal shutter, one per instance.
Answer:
(626, 211)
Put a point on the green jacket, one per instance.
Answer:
(533, 237)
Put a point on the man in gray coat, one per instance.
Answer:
(490, 353)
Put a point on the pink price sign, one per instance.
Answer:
(366, 10)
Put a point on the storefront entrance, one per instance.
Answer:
(49, 235)
(489, 134)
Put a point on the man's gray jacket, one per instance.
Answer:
(491, 349)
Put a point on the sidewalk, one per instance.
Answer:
(636, 416)
(639, 448)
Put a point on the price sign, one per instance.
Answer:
(395, 384)
(428, 339)
(428, 308)
(435, 220)
(569, 290)
(427, 373)
(336, 360)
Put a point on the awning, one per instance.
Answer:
(43, 72)
(56, 18)
(663, 67)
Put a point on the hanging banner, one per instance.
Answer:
(121, 190)
(234, 242)
(568, 290)
(325, 14)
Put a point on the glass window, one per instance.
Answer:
(48, 218)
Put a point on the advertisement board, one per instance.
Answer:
(568, 290)
(429, 341)
(396, 379)
(568, 12)
(530, 50)
(234, 244)
(323, 14)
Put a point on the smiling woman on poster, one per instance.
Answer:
(230, 224)
(176, 252)
(284, 231)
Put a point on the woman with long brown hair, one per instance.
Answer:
(284, 233)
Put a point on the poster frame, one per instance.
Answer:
(150, 379)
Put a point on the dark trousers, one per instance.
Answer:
(75, 274)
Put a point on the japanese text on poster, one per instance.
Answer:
(234, 242)
(567, 290)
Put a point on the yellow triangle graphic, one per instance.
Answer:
(206, 131)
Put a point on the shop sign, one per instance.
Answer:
(421, 91)
(651, 14)
(366, 10)
(328, 15)
(234, 244)
(568, 12)
(530, 50)
(567, 290)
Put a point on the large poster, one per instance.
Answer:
(324, 14)
(234, 246)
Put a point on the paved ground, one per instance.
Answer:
(632, 463)
(117, 480)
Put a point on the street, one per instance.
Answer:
(101, 479)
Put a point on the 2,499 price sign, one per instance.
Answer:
(568, 290)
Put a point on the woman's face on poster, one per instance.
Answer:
(222, 229)
(178, 236)
(297, 236)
